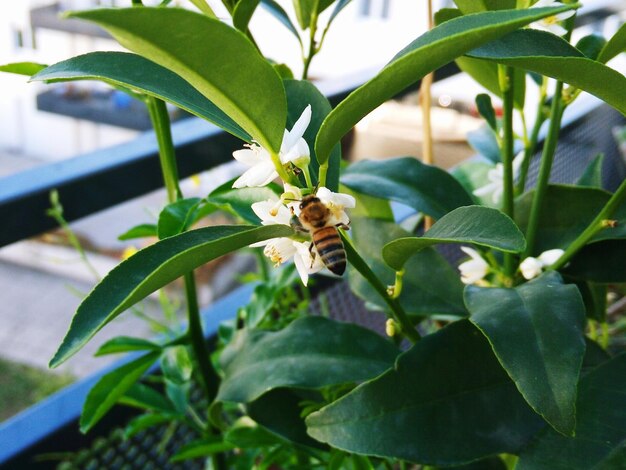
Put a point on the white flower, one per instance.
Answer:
(495, 187)
(551, 23)
(279, 211)
(532, 267)
(262, 171)
(474, 269)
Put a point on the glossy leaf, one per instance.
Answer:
(22, 68)
(614, 46)
(429, 52)
(246, 433)
(446, 402)
(425, 188)
(139, 231)
(472, 224)
(591, 45)
(176, 217)
(312, 352)
(137, 73)
(537, 333)
(218, 61)
(150, 269)
(568, 211)
(592, 176)
(122, 344)
(430, 284)
(147, 398)
(550, 55)
(603, 262)
(301, 93)
(111, 387)
(239, 201)
(600, 441)
(242, 14)
(281, 15)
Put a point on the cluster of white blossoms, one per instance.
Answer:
(280, 210)
(474, 270)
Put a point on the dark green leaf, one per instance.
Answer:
(242, 14)
(340, 5)
(614, 46)
(447, 401)
(312, 352)
(600, 441)
(147, 398)
(245, 433)
(485, 109)
(591, 45)
(152, 268)
(537, 333)
(137, 73)
(550, 55)
(111, 387)
(603, 262)
(568, 210)
(430, 284)
(473, 224)
(594, 297)
(22, 68)
(425, 188)
(491, 463)
(483, 140)
(124, 344)
(430, 51)
(592, 176)
(217, 60)
(301, 93)
(281, 15)
(205, 447)
(176, 217)
(240, 201)
(139, 231)
(143, 422)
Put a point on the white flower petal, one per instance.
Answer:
(531, 268)
(280, 250)
(305, 264)
(546, 3)
(272, 212)
(249, 156)
(259, 175)
(485, 190)
(299, 154)
(475, 268)
(549, 257)
(292, 137)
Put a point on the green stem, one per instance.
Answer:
(529, 149)
(307, 177)
(547, 158)
(161, 123)
(312, 46)
(397, 312)
(322, 176)
(508, 139)
(280, 169)
(597, 225)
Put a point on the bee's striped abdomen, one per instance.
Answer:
(330, 248)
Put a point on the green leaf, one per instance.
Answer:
(425, 188)
(600, 441)
(301, 93)
(245, 433)
(304, 10)
(614, 46)
(429, 52)
(603, 262)
(568, 211)
(430, 284)
(472, 174)
(176, 365)
(217, 60)
(22, 68)
(204, 7)
(123, 344)
(242, 14)
(595, 299)
(139, 231)
(473, 224)
(340, 5)
(281, 15)
(205, 447)
(485, 109)
(447, 401)
(111, 387)
(152, 268)
(591, 45)
(147, 398)
(176, 217)
(537, 333)
(312, 352)
(484, 141)
(475, 6)
(143, 422)
(137, 73)
(592, 176)
(239, 201)
(550, 55)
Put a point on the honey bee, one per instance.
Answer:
(314, 219)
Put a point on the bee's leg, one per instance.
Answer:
(343, 226)
(312, 253)
(296, 224)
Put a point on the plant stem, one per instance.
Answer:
(508, 96)
(322, 175)
(597, 225)
(397, 312)
(426, 97)
(529, 149)
(547, 158)
(280, 169)
(313, 49)
(161, 123)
